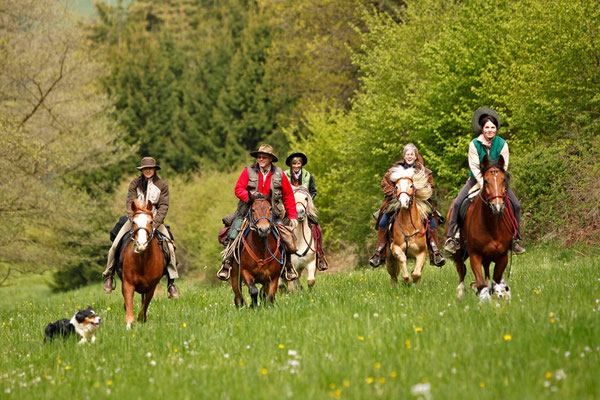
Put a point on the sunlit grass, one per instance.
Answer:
(353, 336)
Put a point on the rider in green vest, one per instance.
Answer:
(485, 123)
(299, 176)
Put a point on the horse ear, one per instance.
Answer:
(501, 161)
(149, 205)
(485, 162)
(134, 206)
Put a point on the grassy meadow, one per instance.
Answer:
(353, 336)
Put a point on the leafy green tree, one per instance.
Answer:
(58, 140)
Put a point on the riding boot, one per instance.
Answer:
(172, 289)
(435, 257)
(108, 284)
(290, 272)
(378, 257)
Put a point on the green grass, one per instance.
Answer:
(353, 337)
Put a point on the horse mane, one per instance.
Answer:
(422, 187)
(311, 209)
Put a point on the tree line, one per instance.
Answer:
(199, 83)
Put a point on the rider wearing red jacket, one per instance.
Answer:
(270, 181)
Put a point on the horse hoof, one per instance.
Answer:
(311, 283)
(416, 278)
(128, 326)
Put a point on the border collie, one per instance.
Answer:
(83, 323)
(497, 291)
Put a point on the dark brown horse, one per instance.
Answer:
(142, 263)
(487, 232)
(260, 258)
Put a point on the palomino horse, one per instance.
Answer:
(261, 256)
(487, 232)
(306, 256)
(142, 263)
(409, 229)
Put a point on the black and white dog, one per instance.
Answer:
(496, 291)
(83, 323)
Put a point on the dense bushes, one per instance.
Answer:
(535, 62)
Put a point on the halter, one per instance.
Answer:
(254, 221)
(132, 232)
(410, 195)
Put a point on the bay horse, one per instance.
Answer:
(306, 255)
(142, 263)
(409, 224)
(260, 257)
(486, 234)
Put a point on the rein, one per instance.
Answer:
(406, 236)
(411, 195)
(260, 261)
(303, 234)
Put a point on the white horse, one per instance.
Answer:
(306, 256)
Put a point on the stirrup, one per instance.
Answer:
(451, 245)
(375, 261)
(290, 273)
(225, 271)
(438, 259)
(517, 248)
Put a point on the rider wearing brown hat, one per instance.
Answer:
(265, 178)
(148, 186)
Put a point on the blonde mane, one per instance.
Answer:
(422, 187)
(311, 209)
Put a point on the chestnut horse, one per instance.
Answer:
(142, 263)
(408, 231)
(260, 257)
(487, 232)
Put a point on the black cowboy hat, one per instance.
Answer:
(289, 158)
(479, 115)
(148, 162)
(265, 149)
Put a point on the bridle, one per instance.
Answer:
(410, 195)
(133, 232)
(487, 200)
(272, 256)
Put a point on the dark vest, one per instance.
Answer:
(275, 193)
(494, 153)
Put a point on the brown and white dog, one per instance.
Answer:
(83, 323)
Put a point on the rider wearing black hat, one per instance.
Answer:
(485, 123)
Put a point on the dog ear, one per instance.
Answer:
(80, 316)
(506, 288)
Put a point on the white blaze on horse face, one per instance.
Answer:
(141, 242)
(498, 202)
(404, 186)
(301, 205)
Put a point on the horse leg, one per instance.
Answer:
(128, 292)
(146, 302)
(311, 269)
(141, 314)
(271, 290)
(392, 266)
(236, 285)
(476, 261)
(401, 258)
(253, 292)
(486, 270)
(499, 268)
(419, 262)
(462, 272)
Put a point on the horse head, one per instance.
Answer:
(304, 204)
(494, 184)
(141, 225)
(260, 215)
(404, 190)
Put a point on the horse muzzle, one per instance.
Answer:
(301, 213)
(139, 247)
(405, 200)
(497, 208)
(263, 231)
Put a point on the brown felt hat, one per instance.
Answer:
(265, 149)
(148, 162)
